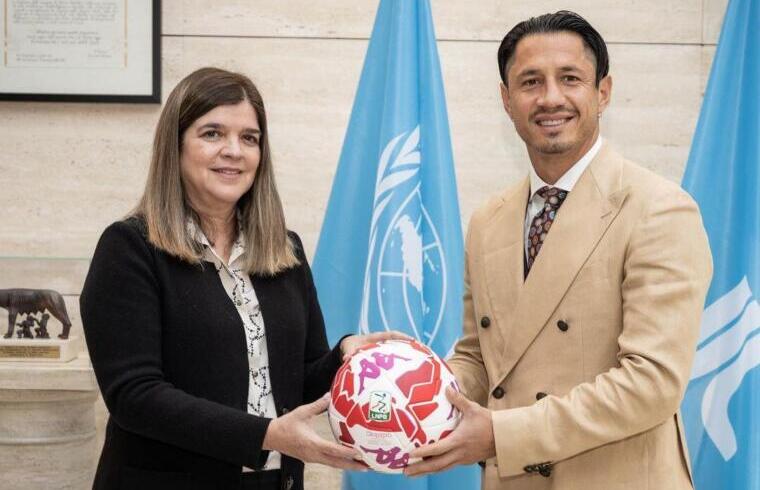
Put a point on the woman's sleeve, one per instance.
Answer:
(121, 314)
(320, 363)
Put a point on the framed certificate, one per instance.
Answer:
(81, 50)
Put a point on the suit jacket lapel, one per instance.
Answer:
(503, 259)
(580, 224)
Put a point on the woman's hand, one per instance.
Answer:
(351, 344)
(292, 434)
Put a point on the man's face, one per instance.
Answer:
(551, 95)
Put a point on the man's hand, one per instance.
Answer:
(471, 441)
(292, 434)
(351, 344)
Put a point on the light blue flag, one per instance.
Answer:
(390, 254)
(722, 404)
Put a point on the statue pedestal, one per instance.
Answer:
(39, 350)
(47, 425)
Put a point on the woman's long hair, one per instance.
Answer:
(164, 205)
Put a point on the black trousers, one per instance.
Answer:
(261, 480)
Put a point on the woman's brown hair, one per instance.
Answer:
(164, 205)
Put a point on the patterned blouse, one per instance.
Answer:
(238, 286)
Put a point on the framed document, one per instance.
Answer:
(81, 50)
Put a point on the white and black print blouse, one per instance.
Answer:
(238, 286)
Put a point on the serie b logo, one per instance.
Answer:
(380, 406)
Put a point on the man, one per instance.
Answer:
(584, 289)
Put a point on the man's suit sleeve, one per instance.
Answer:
(467, 360)
(667, 270)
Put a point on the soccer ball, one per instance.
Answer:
(388, 399)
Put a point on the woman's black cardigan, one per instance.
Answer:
(169, 353)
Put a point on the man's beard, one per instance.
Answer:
(554, 147)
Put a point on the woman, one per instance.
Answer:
(201, 316)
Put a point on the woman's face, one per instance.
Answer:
(219, 157)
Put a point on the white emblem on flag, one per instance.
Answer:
(733, 352)
(399, 259)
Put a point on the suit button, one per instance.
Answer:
(485, 322)
(544, 469)
(285, 410)
(498, 392)
(562, 325)
(540, 395)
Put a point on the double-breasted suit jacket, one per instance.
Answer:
(584, 362)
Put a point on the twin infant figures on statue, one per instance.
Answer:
(25, 327)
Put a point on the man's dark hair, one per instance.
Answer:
(562, 21)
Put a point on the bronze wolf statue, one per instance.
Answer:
(27, 301)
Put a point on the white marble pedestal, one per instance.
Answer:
(47, 425)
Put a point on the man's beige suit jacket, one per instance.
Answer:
(585, 362)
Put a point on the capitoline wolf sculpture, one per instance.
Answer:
(30, 301)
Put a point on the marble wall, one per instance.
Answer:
(68, 170)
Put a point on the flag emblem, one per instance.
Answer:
(405, 249)
(727, 325)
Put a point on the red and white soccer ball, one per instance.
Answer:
(389, 398)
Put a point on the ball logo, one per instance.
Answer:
(405, 278)
(379, 406)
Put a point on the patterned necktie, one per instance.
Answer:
(541, 223)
